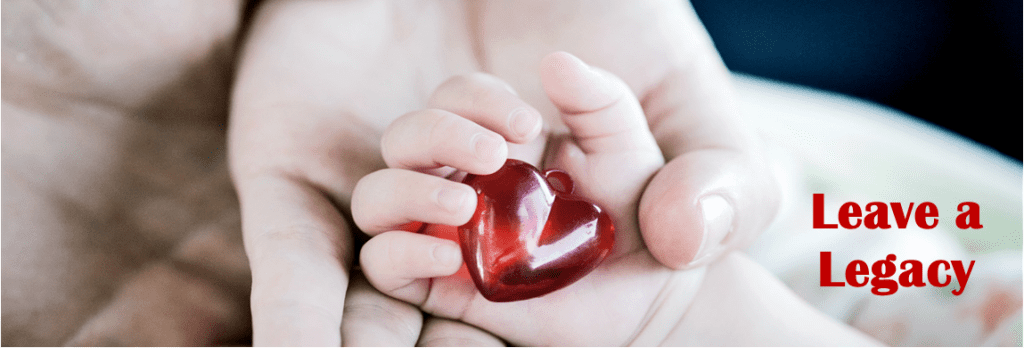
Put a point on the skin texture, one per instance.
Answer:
(610, 154)
(320, 82)
(118, 201)
(630, 298)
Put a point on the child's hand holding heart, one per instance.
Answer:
(610, 155)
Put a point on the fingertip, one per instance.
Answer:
(565, 65)
(525, 124)
(448, 256)
(703, 204)
(458, 199)
(491, 151)
(490, 102)
(697, 235)
(559, 65)
(670, 218)
(393, 260)
(574, 86)
(387, 199)
(717, 215)
(600, 110)
(669, 232)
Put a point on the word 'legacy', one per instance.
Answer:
(913, 273)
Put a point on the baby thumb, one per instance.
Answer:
(599, 109)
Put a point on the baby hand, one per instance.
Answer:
(609, 152)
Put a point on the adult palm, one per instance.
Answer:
(611, 155)
(319, 83)
(120, 223)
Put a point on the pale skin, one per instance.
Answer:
(611, 154)
(120, 225)
(329, 94)
(113, 118)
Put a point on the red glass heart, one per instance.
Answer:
(530, 235)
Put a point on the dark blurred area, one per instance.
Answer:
(955, 64)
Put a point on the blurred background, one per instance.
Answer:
(954, 64)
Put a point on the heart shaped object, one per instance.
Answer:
(530, 235)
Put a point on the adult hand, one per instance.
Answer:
(609, 152)
(319, 82)
(120, 223)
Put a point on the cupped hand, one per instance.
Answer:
(120, 223)
(610, 153)
(319, 82)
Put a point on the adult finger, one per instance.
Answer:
(298, 248)
(703, 203)
(400, 263)
(490, 102)
(374, 319)
(389, 198)
(441, 332)
(717, 191)
(432, 138)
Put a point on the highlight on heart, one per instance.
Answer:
(530, 235)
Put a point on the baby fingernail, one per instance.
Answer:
(522, 123)
(486, 146)
(447, 254)
(452, 199)
(718, 216)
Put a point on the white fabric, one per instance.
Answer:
(851, 150)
